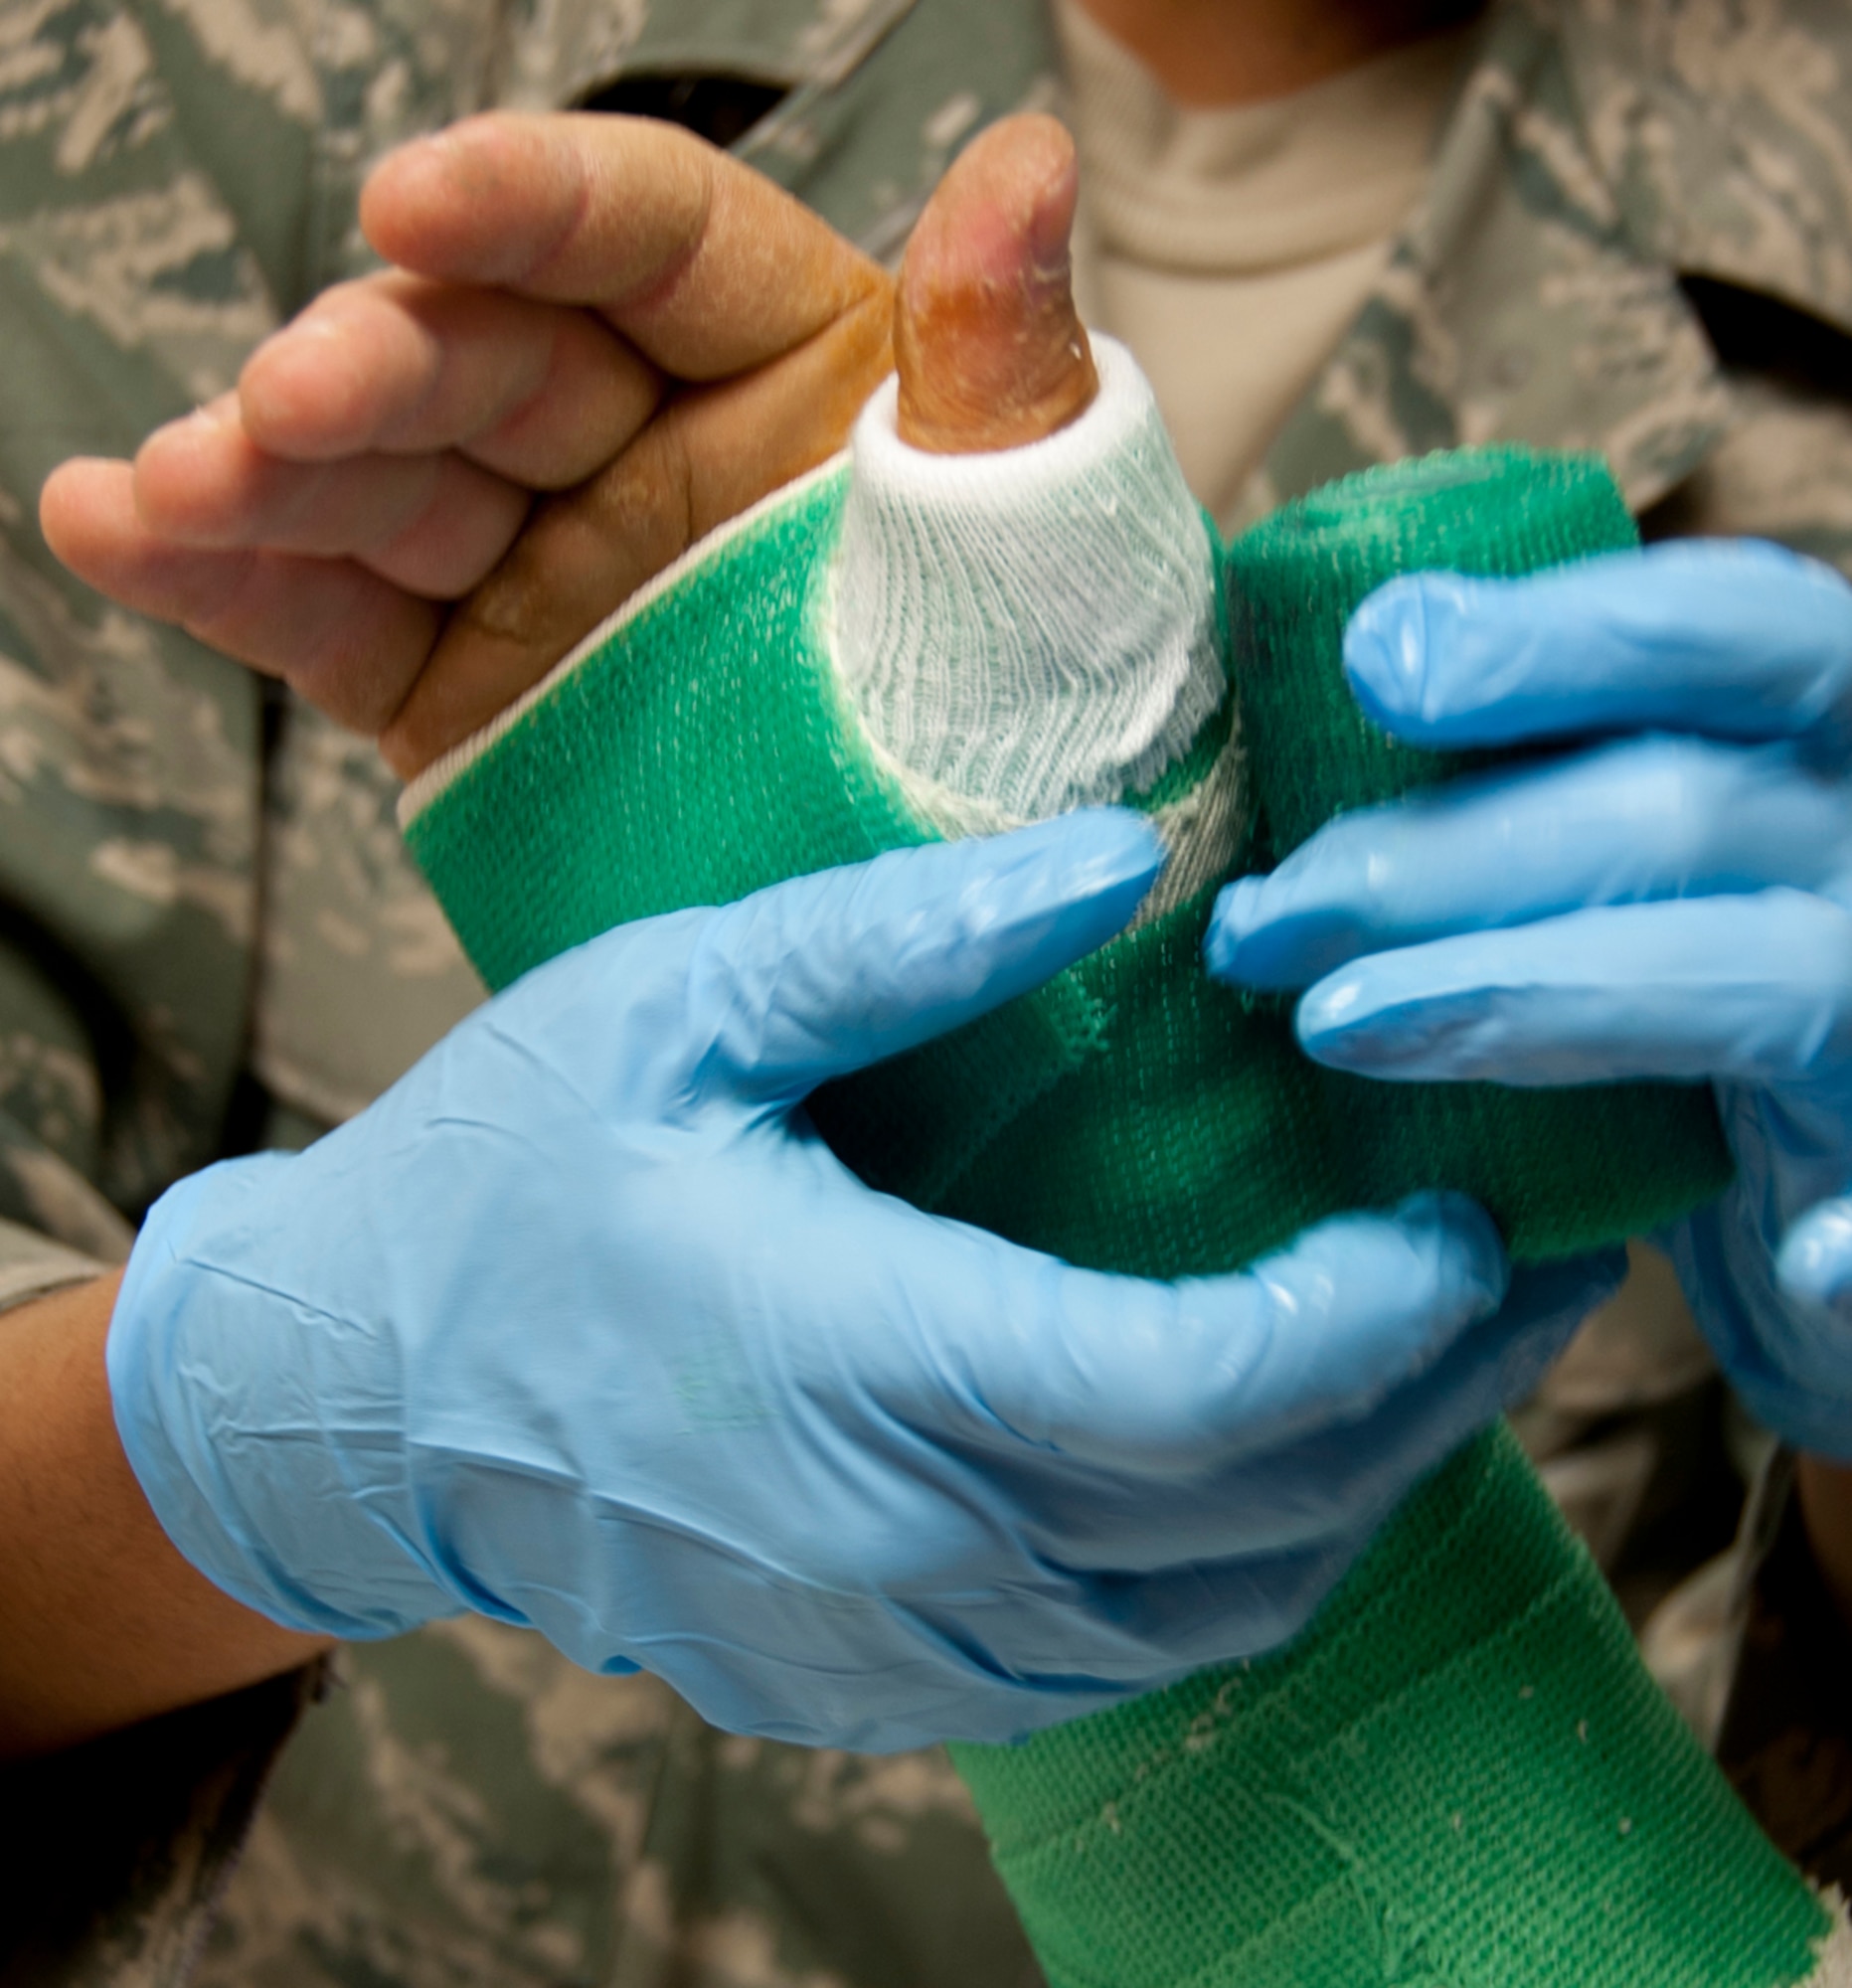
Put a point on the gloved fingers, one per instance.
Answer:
(1150, 1631)
(1814, 1262)
(1738, 638)
(1171, 1383)
(1244, 1566)
(1757, 989)
(1337, 1478)
(1639, 819)
(1097, 1637)
(1784, 1345)
(820, 976)
(1787, 1347)
(1810, 1339)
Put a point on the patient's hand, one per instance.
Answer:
(600, 340)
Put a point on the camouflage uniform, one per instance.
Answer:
(1638, 237)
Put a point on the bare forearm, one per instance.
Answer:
(101, 1622)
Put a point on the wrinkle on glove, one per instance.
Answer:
(583, 1326)
(1431, 1780)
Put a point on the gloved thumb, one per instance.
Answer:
(989, 351)
(1815, 1259)
(820, 976)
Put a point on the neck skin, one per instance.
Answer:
(1209, 53)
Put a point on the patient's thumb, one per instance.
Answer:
(989, 350)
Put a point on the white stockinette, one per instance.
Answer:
(1031, 630)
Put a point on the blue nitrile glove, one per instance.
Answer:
(1519, 925)
(581, 1325)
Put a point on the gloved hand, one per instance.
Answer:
(581, 1326)
(1673, 905)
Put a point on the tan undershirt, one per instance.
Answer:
(1232, 248)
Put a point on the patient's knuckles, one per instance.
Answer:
(701, 461)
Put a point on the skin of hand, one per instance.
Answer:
(1207, 53)
(602, 339)
(1673, 901)
(990, 350)
(103, 1623)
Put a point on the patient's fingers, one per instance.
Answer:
(993, 356)
(541, 393)
(704, 265)
(347, 640)
(704, 459)
(435, 524)
(388, 436)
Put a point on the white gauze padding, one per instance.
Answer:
(1034, 628)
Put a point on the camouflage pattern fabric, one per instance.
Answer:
(1638, 237)
(117, 1851)
(469, 1808)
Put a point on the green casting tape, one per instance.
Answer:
(1557, 1168)
(1459, 1773)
